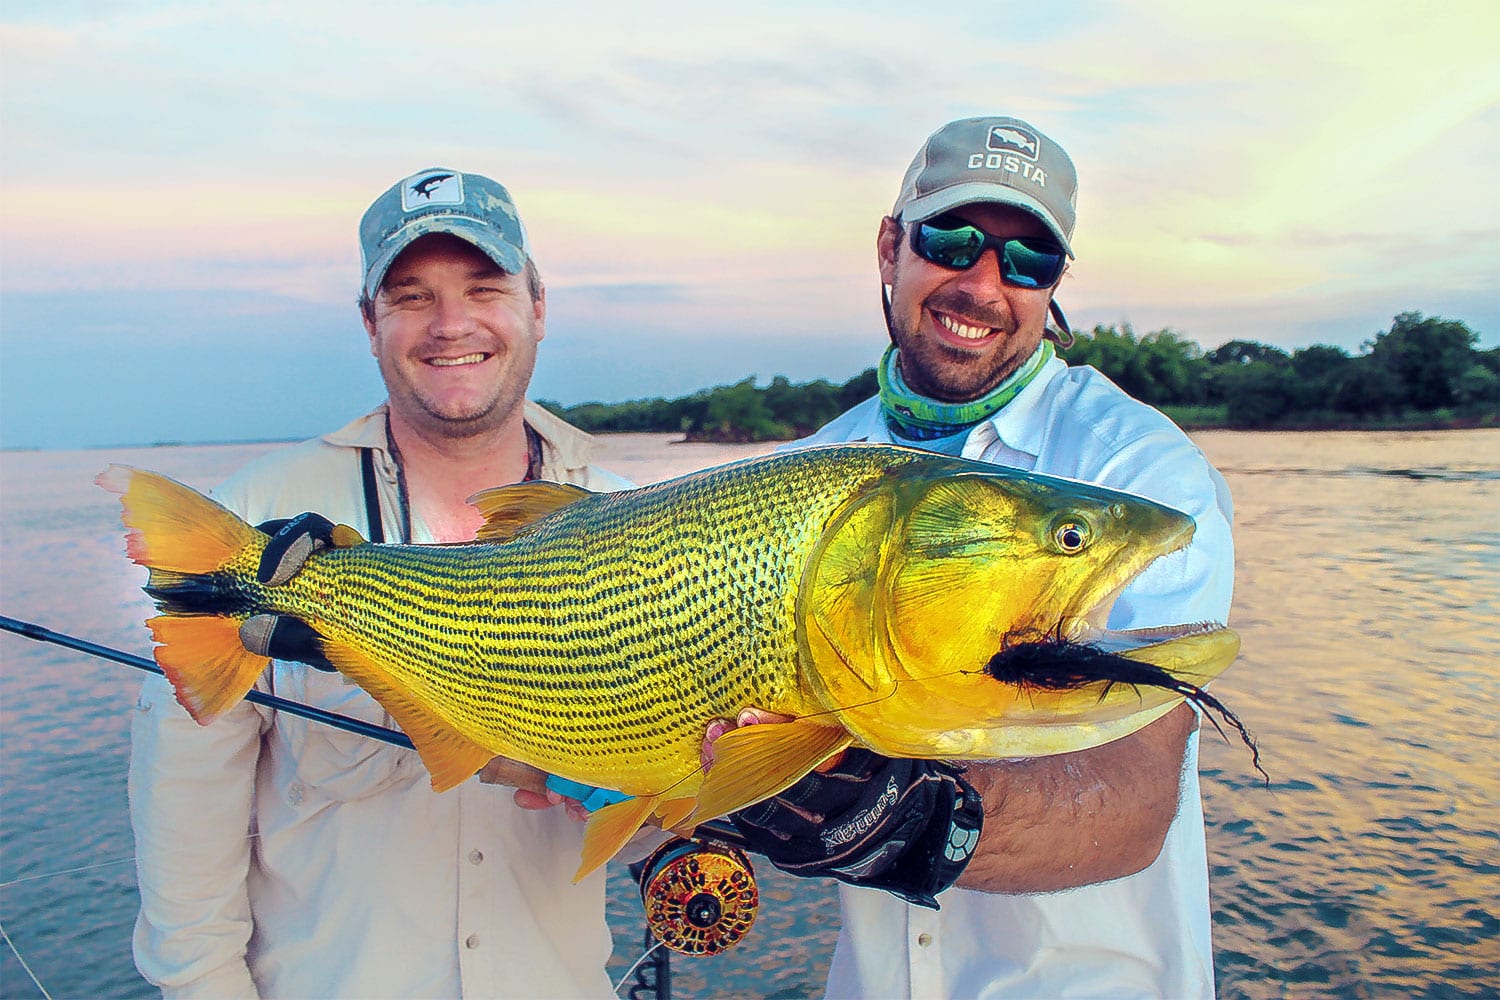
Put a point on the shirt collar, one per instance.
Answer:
(564, 446)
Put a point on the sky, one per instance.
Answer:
(180, 183)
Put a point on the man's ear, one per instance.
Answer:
(887, 246)
(539, 310)
(364, 317)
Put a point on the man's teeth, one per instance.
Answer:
(964, 330)
(467, 359)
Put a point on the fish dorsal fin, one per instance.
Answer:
(508, 509)
(451, 757)
(345, 537)
(753, 763)
(610, 829)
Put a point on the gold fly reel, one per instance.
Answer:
(700, 898)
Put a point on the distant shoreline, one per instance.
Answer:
(1386, 426)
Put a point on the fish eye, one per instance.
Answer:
(1071, 536)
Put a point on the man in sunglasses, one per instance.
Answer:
(1083, 874)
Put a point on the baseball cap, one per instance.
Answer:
(438, 200)
(993, 159)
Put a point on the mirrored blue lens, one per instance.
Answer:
(1024, 261)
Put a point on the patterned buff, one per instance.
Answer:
(921, 418)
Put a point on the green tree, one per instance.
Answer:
(1427, 355)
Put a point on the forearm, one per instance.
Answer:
(190, 794)
(1076, 819)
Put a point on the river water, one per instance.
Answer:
(1368, 597)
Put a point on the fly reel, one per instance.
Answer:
(700, 898)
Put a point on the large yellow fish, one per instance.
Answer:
(864, 591)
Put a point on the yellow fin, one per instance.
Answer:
(172, 527)
(345, 537)
(839, 593)
(210, 669)
(670, 814)
(508, 509)
(610, 829)
(451, 758)
(752, 763)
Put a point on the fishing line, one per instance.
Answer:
(66, 871)
(16, 952)
(631, 971)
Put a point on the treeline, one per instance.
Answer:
(1423, 370)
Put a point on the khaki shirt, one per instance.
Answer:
(281, 857)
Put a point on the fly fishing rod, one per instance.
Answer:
(699, 894)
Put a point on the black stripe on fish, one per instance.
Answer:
(1060, 665)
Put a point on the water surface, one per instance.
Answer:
(1367, 583)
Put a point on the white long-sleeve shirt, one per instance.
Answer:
(279, 857)
(1146, 935)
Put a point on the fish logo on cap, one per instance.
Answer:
(432, 189)
(1010, 139)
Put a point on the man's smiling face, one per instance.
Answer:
(456, 337)
(960, 333)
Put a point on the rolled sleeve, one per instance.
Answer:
(191, 795)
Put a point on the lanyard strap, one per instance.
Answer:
(372, 497)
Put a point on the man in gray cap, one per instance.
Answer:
(279, 857)
(1088, 875)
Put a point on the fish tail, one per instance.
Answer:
(192, 546)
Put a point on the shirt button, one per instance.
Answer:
(471, 942)
(294, 794)
(923, 940)
(475, 857)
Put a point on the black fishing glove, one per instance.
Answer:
(293, 539)
(283, 637)
(906, 826)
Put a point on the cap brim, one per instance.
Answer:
(949, 198)
(505, 254)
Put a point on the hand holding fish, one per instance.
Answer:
(906, 826)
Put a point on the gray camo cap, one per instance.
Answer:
(993, 159)
(438, 200)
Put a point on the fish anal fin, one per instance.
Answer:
(508, 509)
(753, 763)
(451, 758)
(610, 829)
(210, 669)
(671, 813)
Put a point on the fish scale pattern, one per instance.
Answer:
(610, 631)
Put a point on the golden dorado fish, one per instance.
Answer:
(870, 593)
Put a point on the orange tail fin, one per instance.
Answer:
(177, 532)
(175, 528)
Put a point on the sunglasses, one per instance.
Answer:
(1025, 261)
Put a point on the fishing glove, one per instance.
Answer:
(906, 826)
(283, 637)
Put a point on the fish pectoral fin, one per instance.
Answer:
(752, 763)
(508, 509)
(610, 829)
(210, 669)
(451, 757)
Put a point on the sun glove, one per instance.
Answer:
(283, 637)
(908, 827)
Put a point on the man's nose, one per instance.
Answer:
(451, 318)
(983, 280)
